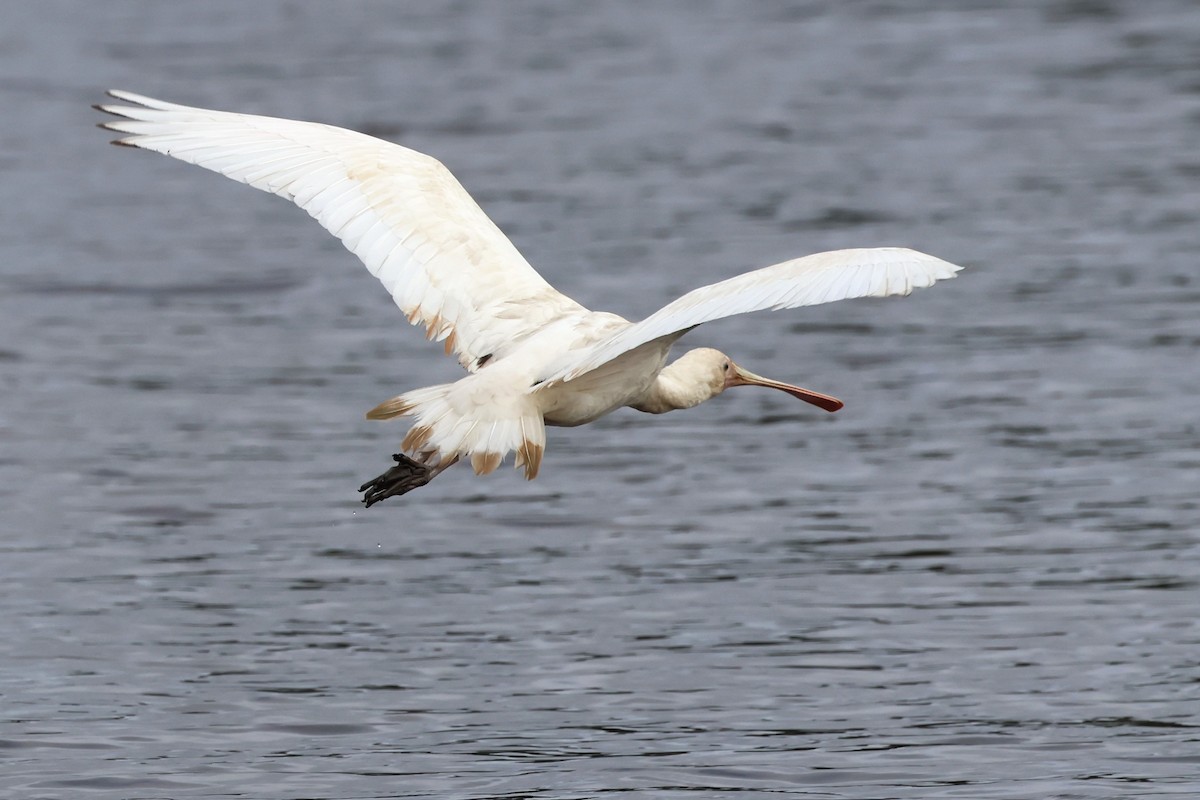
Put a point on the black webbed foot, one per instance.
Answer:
(404, 477)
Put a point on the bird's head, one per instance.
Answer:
(718, 372)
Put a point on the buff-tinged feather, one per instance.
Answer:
(396, 407)
(433, 327)
(530, 455)
(417, 437)
(485, 462)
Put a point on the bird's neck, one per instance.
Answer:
(672, 391)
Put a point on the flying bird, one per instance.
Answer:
(534, 356)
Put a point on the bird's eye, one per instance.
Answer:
(725, 366)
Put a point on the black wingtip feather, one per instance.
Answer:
(124, 96)
(115, 111)
(111, 126)
(108, 126)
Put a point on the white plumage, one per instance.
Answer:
(536, 356)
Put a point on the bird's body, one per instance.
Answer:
(534, 356)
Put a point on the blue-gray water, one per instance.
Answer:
(979, 580)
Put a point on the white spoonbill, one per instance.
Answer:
(535, 356)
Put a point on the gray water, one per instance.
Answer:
(979, 580)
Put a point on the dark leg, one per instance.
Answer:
(404, 477)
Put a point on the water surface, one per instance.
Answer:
(978, 580)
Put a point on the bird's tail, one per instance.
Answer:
(448, 425)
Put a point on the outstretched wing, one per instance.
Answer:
(808, 281)
(444, 262)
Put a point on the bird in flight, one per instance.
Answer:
(534, 356)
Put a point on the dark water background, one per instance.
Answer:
(979, 580)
